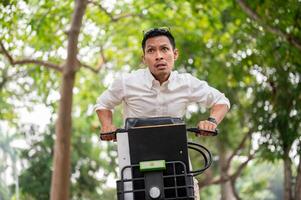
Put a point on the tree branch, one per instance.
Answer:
(90, 68)
(103, 9)
(234, 189)
(231, 177)
(207, 177)
(243, 165)
(252, 14)
(39, 62)
(72, 63)
(101, 62)
(237, 172)
(28, 61)
(5, 52)
(6, 78)
(238, 148)
(112, 17)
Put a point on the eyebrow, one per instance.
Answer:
(163, 45)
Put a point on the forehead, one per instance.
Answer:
(157, 41)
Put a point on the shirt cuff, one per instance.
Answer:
(225, 102)
(101, 107)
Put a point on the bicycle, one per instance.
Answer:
(154, 166)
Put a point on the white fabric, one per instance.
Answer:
(196, 189)
(143, 96)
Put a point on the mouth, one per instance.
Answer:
(160, 65)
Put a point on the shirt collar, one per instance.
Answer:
(150, 79)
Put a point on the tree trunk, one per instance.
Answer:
(16, 177)
(226, 187)
(61, 173)
(298, 181)
(206, 177)
(287, 176)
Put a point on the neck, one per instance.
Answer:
(162, 78)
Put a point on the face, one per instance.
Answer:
(159, 56)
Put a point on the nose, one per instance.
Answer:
(159, 56)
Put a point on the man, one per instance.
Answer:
(158, 90)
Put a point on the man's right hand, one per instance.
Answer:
(106, 129)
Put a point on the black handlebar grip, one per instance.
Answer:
(102, 135)
(113, 133)
(199, 131)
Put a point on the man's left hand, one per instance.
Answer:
(206, 126)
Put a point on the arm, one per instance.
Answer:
(106, 119)
(208, 96)
(106, 103)
(218, 112)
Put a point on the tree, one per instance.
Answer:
(68, 69)
(61, 173)
(219, 43)
(277, 94)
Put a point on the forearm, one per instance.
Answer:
(105, 117)
(218, 112)
(106, 120)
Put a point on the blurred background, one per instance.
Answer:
(57, 55)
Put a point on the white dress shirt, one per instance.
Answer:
(143, 96)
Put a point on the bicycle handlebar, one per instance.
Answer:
(197, 131)
(203, 132)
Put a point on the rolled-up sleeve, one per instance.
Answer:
(205, 95)
(112, 97)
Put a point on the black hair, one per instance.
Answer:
(158, 32)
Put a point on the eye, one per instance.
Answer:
(150, 50)
(165, 49)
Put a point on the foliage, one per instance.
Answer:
(8, 157)
(245, 57)
(257, 182)
(87, 164)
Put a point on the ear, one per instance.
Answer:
(142, 58)
(176, 53)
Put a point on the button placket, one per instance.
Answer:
(158, 100)
(162, 102)
(159, 110)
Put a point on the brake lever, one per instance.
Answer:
(200, 131)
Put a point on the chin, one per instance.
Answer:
(164, 73)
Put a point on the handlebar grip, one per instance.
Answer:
(102, 135)
(113, 133)
(200, 131)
